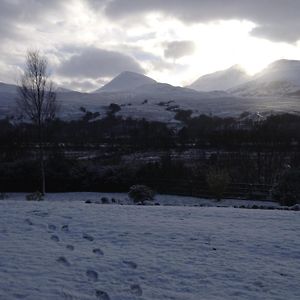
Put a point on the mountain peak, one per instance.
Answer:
(284, 62)
(221, 80)
(126, 81)
(281, 70)
(279, 78)
(236, 67)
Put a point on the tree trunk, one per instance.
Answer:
(43, 176)
(41, 159)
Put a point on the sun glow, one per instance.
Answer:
(218, 45)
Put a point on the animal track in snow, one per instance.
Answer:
(70, 247)
(101, 295)
(88, 237)
(92, 275)
(136, 290)
(54, 238)
(65, 228)
(131, 264)
(98, 251)
(62, 260)
(28, 221)
(51, 227)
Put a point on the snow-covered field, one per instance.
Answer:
(73, 250)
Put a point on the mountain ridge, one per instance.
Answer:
(279, 78)
(221, 80)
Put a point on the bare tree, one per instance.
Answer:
(37, 100)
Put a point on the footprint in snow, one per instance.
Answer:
(28, 221)
(131, 264)
(136, 290)
(70, 247)
(101, 295)
(65, 228)
(98, 251)
(62, 260)
(54, 238)
(88, 237)
(92, 275)
(51, 227)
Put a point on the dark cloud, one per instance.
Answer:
(153, 61)
(276, 19)
(97, 63)
(17, 15)
(178, 49)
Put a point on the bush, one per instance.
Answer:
(37, 196)
(113, 108)
(105, 200)
(287, 190)
(218, 181)
(141, 193)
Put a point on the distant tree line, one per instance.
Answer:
(276, 133)
(249, 152)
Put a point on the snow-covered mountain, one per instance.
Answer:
(63, 90)
(126, 81)
(221, 80)
(7, 88)
(142, 97)
(282, 77)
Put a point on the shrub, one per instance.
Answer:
(113, 108)
(218, 181)
(141, 193)
(287, 190)
(105, 200)
(37, 196)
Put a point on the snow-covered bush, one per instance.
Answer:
(141, 193)
(36, 196)
(218, 181)
(287, 190)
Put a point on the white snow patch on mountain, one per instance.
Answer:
(221, 80)
(126, 81)
(279, 78)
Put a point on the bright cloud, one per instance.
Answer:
(88, 42)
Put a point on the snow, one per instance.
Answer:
(163, 99)
(221, 80)
(58, 249)
(126, 81)
(279, 78)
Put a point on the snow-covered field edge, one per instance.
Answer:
(160, 199)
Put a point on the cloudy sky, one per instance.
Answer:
(88, 42)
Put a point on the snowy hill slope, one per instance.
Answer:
(126, 81)
(7, 88)
(159, 102)
(221, 80)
